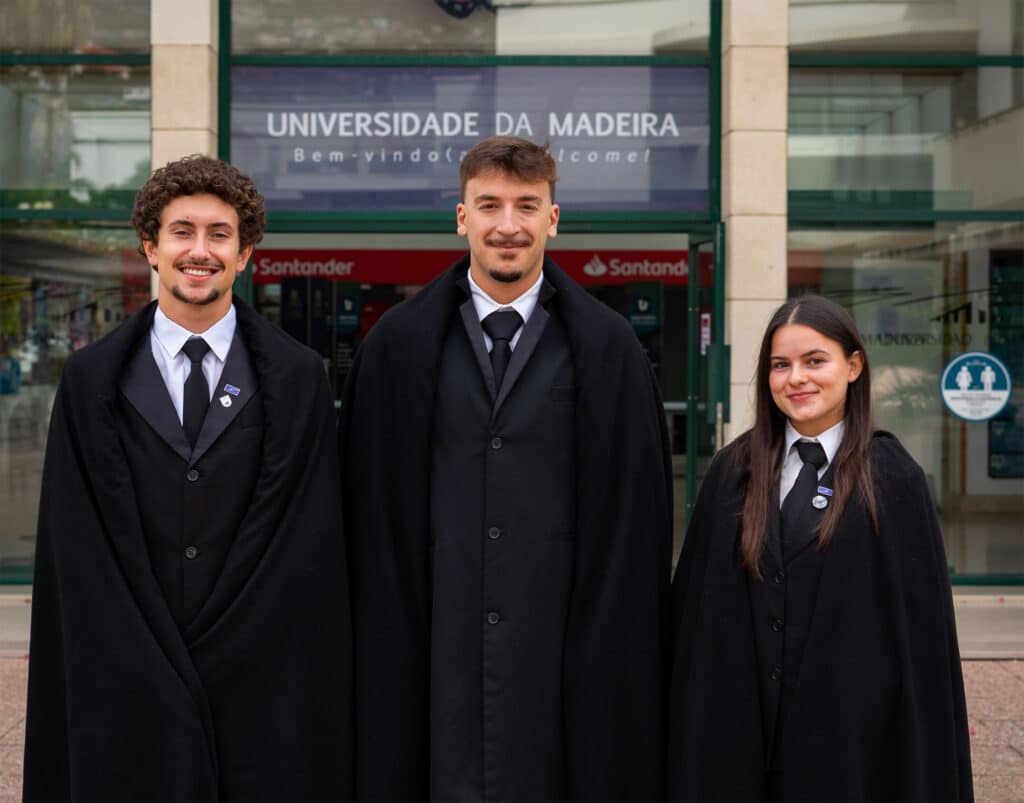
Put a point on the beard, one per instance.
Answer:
(512, 275)
(209, 298)
(508, 277)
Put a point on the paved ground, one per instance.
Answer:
(990, 623)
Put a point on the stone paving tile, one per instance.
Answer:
(998, 789)
(14, 735)
(1000, 706)
(996, 760)
(997, 732)
(986, 679)
(10, 774)
(1015, 668)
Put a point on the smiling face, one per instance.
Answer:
(197, 254)
(808, 376)
(507, 222)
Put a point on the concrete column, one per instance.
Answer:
(755, 81)
(183, 79)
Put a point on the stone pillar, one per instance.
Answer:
(183, 36)
(755, 81)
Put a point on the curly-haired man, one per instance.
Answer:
(190, 623)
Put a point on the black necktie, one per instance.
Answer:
(500, 327)
(797, 511)
(197, 392)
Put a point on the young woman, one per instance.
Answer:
(815, 653)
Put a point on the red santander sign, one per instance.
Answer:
(394, 266)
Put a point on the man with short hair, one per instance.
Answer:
(508, 514)
(190, 620)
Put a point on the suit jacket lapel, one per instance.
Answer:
(476, 337)
(142, 385)
(527, 342)
(773, 539)
(239, 374)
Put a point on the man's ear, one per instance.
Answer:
(460, 220)
(243, 257)
(149, 246)
(553, 220)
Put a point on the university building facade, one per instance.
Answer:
(716, 157)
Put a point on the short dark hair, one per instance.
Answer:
(198, 175)
(513, 156)
(763, 455)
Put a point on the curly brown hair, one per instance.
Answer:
(197, 175)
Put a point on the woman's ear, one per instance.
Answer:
(856, 362)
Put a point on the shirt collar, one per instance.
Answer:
(485, 305)
(172, 337)
(829, 439)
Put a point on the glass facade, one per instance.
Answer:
(74, 26)
(447, 27)
(935, 139)
(921, 296)
(61, 288)
(906, 202)
(73, 137)
(975, 27)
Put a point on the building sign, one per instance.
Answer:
(381, 266)
(975, 386)
(391, 138)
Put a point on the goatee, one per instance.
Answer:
(212, 296)
(506, 277)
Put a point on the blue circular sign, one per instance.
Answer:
(975, 386)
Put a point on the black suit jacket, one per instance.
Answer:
(253, 700)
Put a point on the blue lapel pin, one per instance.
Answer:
(229, 388)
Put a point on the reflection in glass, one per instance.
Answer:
(504, 27)
(75, 26)
(60, 289)
(920, 298)
(381, 26)
(932, 139)
(984, 27)
(73, 136)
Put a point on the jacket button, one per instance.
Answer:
(777, 625)
(192, 475)
(496, 442)
(494, 533)
(780, 577)
(493, 618)
(776, 673)
(191, 552)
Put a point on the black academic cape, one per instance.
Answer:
(878, 712)
(616, 630)
(121, 705)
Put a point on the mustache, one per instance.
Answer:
(501, 242)
(200, 263)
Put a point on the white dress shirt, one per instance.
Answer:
(829, 440)
(166, 339)
(524, 305)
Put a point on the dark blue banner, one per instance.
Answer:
(391, 138)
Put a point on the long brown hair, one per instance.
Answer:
(762, 458)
